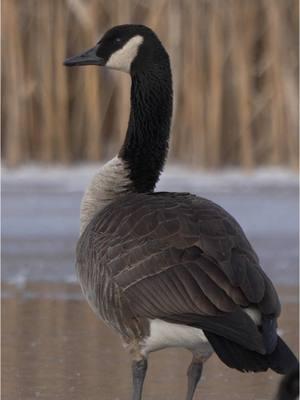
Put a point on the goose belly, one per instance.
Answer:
(164, 334)
(100, 294)
(104, 300)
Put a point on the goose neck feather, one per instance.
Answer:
(110, 182)
(146, 143)
(142, 156)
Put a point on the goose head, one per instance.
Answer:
(128, 48)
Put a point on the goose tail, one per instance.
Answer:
(281, 360)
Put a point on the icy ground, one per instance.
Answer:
(40, 217)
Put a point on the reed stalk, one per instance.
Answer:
(235, 68)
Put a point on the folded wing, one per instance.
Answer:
(184, 259)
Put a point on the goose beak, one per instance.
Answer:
(88, 57)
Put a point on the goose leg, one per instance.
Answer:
(139, 369)
(194, 374)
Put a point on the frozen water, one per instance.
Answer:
(40, 216)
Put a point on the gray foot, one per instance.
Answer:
(139, 369)
(194, 374)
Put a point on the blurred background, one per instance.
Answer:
(235, 68)
(234, 140)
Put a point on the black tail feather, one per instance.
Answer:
(281, 360)
(289, 386)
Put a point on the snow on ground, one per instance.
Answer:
(40, 213)
(75, 177)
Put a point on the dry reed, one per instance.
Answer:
(235, 67)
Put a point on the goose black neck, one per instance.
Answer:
(146, 144)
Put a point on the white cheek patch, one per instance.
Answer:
(122, 58)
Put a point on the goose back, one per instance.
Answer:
(184, 257)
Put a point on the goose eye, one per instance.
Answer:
(117, 40)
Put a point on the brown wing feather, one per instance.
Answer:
(177, 254)
(169, 231)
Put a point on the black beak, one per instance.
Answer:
(89, 57)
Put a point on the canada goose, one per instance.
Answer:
(168, 269)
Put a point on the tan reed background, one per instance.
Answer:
(235, 68)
